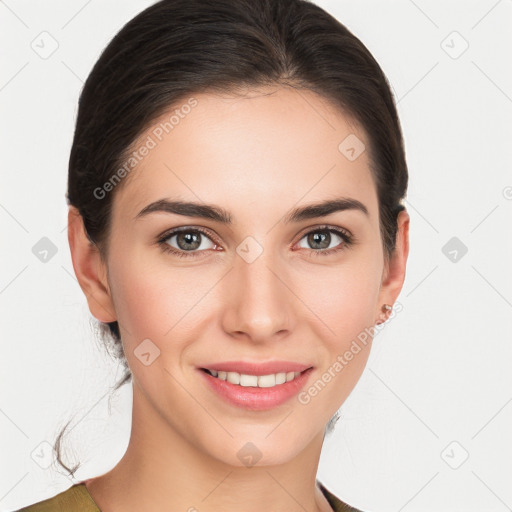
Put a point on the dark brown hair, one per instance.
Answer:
(177, 48)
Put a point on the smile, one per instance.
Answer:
(260, 381)
(255, 392)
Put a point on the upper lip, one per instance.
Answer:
(251, 368)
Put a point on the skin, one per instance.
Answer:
(258, 157)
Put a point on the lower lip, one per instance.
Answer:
(254, 398)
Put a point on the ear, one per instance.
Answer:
(90, 270)
(393, 275)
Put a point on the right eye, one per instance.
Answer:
(186, 241)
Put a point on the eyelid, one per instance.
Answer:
(174, 231)
(347, 237)
(327, 227)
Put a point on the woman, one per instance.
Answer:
(235, 219)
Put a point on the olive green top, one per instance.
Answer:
(78, 499)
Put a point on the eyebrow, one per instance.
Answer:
(219, 214)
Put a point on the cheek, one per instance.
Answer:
(140, 302)
(343, 298)
(140, 294)
(156, 300)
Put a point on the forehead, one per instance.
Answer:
(273, 144)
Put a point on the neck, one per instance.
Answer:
(162, 470)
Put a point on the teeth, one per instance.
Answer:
(261, 381)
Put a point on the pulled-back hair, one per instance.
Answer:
(177, 48)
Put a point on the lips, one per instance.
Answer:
(252, 397)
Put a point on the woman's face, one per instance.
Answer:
(265, 286)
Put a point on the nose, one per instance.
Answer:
(258, 302)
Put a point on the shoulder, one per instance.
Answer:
(336, 504)
(74, 499)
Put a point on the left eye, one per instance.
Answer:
(322, 238)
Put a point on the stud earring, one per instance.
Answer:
(385, 308)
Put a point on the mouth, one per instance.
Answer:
(255, 392)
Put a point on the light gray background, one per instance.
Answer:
(437, 388)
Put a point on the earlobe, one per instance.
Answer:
(394, 273)
(89, 269)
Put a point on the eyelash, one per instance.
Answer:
(348, 240)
